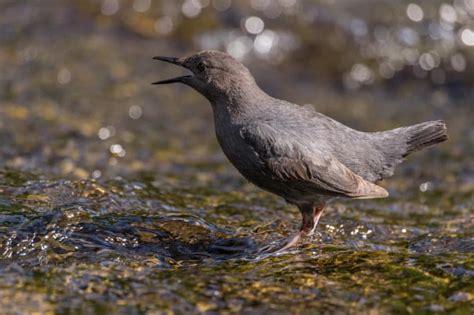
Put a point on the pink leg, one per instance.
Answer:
(311, 215)
(311, 219)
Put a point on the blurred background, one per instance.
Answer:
(102, 173)
(75, 84)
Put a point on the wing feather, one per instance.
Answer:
(288, 158)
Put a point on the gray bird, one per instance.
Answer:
(293, 151)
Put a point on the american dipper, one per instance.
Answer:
(293, 151)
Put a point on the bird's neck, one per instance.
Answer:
(239, 101)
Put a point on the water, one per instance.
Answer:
(114, 196)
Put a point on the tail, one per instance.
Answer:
(425, 135)
(396, 144)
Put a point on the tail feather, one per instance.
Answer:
(397, 143)
(425, 134)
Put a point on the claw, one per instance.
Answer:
(272, 249)
(311, 215)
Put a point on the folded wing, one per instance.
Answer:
(289, 158)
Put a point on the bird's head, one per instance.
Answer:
(214, 74)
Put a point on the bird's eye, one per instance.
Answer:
(201, 67)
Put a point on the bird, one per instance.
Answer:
(293, 151)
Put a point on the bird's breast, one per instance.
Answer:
(239, 153)
(233, 146)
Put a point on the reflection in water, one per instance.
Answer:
(114, 196)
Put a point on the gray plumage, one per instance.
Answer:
(293, 151)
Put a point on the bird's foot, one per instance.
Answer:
(291, 241)
(311, 214)
(281, 247)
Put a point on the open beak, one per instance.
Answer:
(174, 61)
